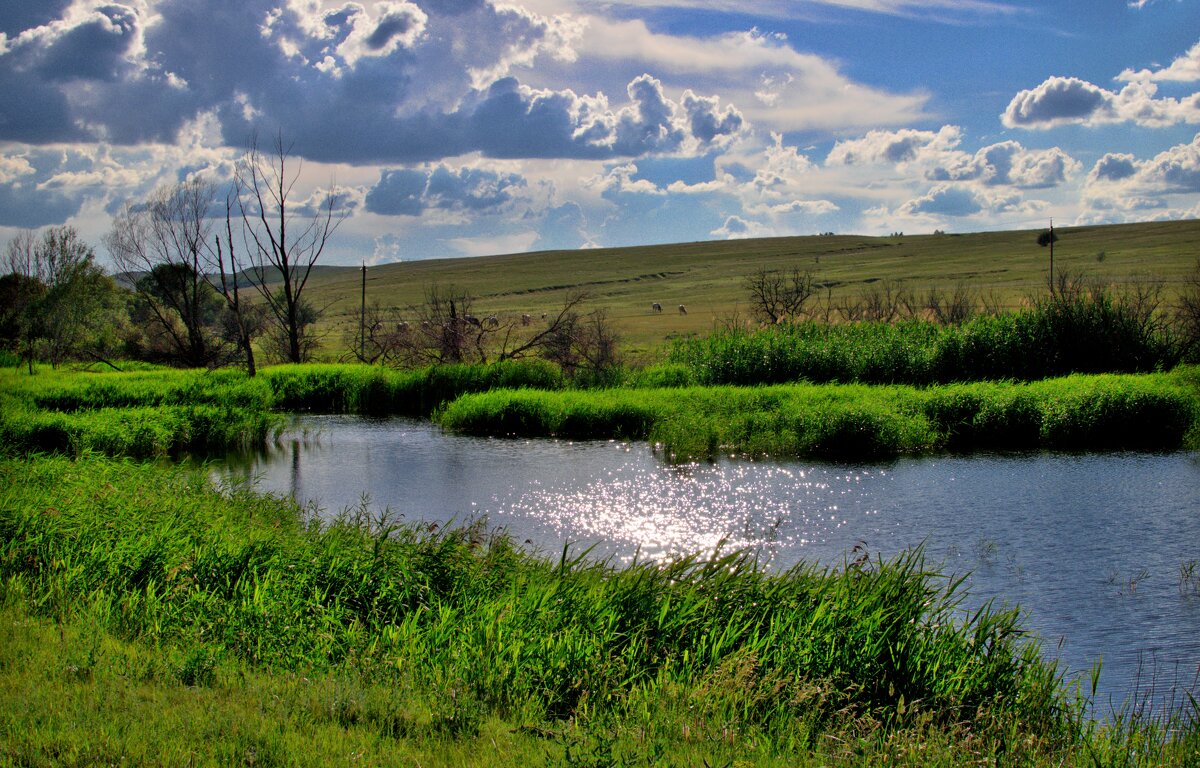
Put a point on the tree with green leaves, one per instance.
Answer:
(66, 307)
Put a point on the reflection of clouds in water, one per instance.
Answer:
(661, 511)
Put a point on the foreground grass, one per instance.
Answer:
(147, 617)
(1148, 412)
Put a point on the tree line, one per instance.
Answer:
(201, 278)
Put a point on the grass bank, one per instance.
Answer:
(165, 413)
(149, 618)
(1110, 412)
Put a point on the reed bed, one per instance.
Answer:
(1083, 333)
(168, 412)
(1109, 412)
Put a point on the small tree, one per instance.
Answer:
(68, 306)
(285, 243)
(1187, 317)
(162, 243)
(776, 296)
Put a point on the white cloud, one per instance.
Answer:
(1071, 101)
(1120, 185)
(773, 85)
(737, 228)
(894, 147)
(936, 10)
(1007, 164)
(1185, 69)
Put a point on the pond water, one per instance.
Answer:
(1094, 548)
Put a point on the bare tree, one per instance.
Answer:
(556, 331)
(1187, 316)
(442, 330)
(247, 320)
(776, 296)
(881, 301)
(162, 244)
(954, 308)
(379, 334)
(285, 240)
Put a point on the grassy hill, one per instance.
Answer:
(708, 277)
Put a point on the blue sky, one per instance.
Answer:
(471, 127)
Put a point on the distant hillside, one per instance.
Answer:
(708, 277)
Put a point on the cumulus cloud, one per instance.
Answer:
(893, 147)
(1058, 101)
(1114, 167)
(411, 192)
(381, 82)
(1120, 186)
(1072, 101)
(945, 200)
(1007, 164)
(774, 85)
(1185, 69)
(736, 228)
(1177, 170)
(806, 207)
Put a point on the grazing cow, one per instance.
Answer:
(402, 327)
(491, 321)
(471, 319)
(544, 315)
(526, 319)
(656, 307)
(682, 310)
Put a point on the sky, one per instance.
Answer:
(470, 127)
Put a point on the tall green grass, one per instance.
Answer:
(1155, 412)
(1085, 333)
(168, 412)
(381, 391)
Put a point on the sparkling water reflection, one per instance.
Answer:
(1093, 548)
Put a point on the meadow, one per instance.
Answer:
(1004, 269)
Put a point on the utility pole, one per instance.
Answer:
(362, 318)
(1051, 257)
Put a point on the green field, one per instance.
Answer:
(708, 277)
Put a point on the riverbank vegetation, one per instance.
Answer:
(855, 422)
(166, 412)
(146, 612)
